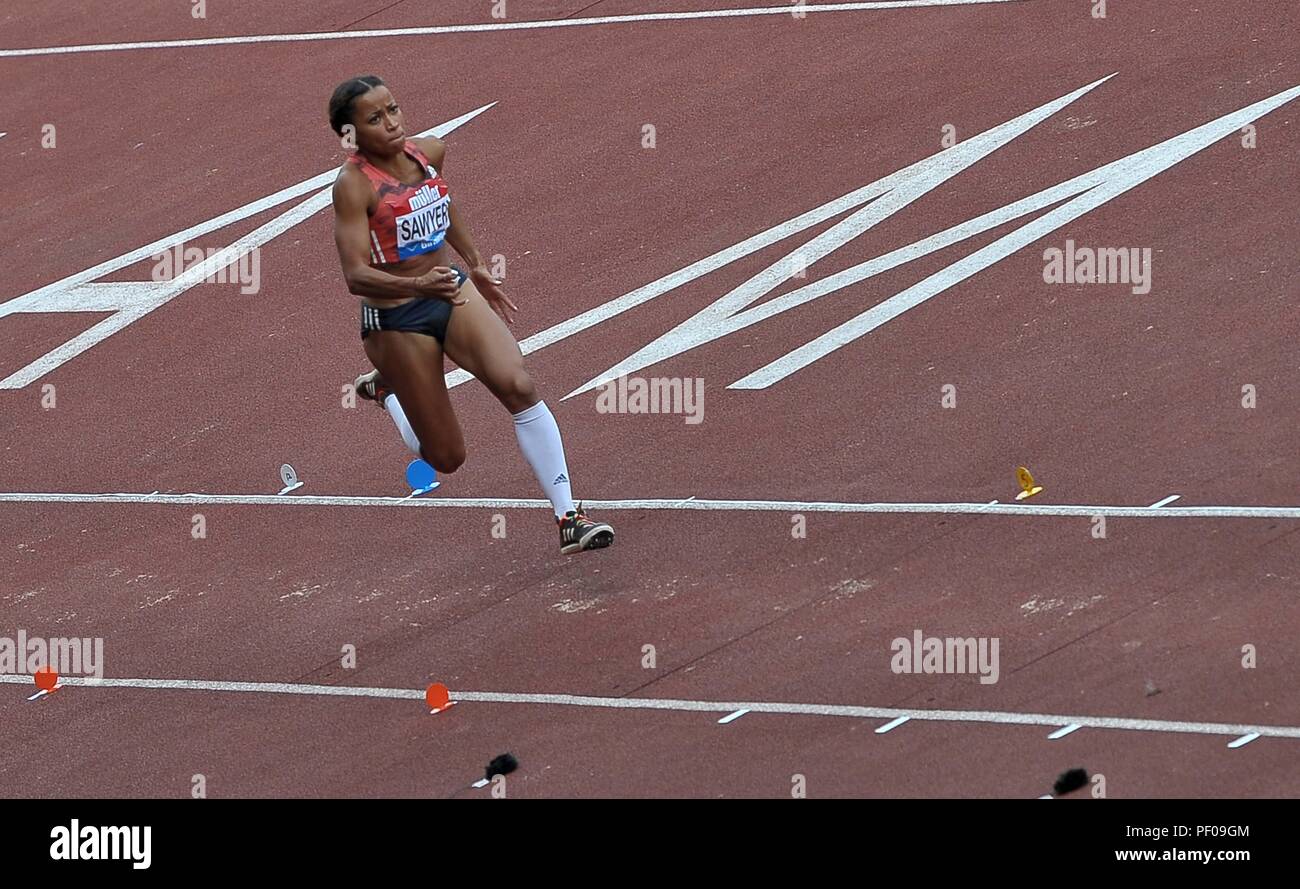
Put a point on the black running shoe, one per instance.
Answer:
(578, 532)
(371, 387)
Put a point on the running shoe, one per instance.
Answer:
(579, 532)
(371, 387)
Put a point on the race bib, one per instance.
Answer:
(424, 229)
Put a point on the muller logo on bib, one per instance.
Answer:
(424, 197)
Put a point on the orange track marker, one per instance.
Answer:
(46, 679)
(438, 698)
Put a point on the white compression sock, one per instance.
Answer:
(539, 439)
(394, 408)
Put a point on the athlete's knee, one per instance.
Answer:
(516, 389)
(445, 459)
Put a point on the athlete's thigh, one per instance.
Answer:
(411, 364)
(479, 341)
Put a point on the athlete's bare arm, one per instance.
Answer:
(459, 238)
(434, 149)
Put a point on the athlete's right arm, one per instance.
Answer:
(352, 237)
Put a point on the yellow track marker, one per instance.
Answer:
(1027, 486)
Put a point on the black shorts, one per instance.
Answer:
(426, 316)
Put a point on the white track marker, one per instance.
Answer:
(890, 726)
(1047, 796)
(732, 717)
(481, 782)
(496, 26)
(1159, 503)
(993, 503)
(988, 717)
(1063, 731)
(289, 477)
(2, 135)
(1243, 740)
(1009, 509)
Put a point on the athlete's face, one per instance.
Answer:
(378, 120)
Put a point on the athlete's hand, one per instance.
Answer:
(490, 287)
(440, 283)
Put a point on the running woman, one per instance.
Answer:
(393, 222)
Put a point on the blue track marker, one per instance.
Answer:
(421, 477)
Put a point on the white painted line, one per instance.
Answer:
(732, 717)
(740, 307)
(871, 205)
(1159, 503)
(890, 726)
(994, 717)
(785, 10)
(1063, 731)
(481, 782)
(1068, 201)
(1243, 740)
(1011, 509)
(128, 301)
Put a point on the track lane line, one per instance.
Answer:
(671, 503)
(995, 717)
(748, 12)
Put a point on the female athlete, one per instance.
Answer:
(393, 221)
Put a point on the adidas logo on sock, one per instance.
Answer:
(560, 479)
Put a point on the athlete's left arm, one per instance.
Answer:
(459, 238)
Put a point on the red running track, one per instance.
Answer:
(1111, 397)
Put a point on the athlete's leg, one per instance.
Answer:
(411, 365)
(479, 341)
(372, 387)
(394, 408)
